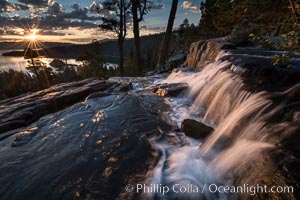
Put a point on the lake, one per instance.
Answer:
(19, 63)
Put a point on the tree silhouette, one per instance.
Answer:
(167, 39)
(115, 21)
(36, 66)
(139, 9)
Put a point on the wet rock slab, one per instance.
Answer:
(87, 151)
(22, 110)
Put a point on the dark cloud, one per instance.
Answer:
(5, 6)
(39, 3)
(62, 21)
(77, 14)
(76, 6)
(55, 9)
(96, 7)
(155, 5)
(50, 32)
(16, 17)
(103, 10)
(55, 16)
(48, 22)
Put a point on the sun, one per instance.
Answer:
(32, 36)
(33, 43)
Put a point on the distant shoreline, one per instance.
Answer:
(109, 48)
(50, 50)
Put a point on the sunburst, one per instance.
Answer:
(31, 37)
(32, 54)
(33, 34)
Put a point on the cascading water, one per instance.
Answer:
(96, 148)
(235, 151)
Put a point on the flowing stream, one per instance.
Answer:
(235, 153)
(93, 149)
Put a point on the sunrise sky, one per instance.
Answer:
(74, 20)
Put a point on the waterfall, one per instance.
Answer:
(235, 153)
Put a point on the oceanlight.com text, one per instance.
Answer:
(207, 188)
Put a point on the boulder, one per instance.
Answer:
(195, 129)
(176, 60)
(203, 51)
(57, 63)
(206, 51)
(172, 89)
